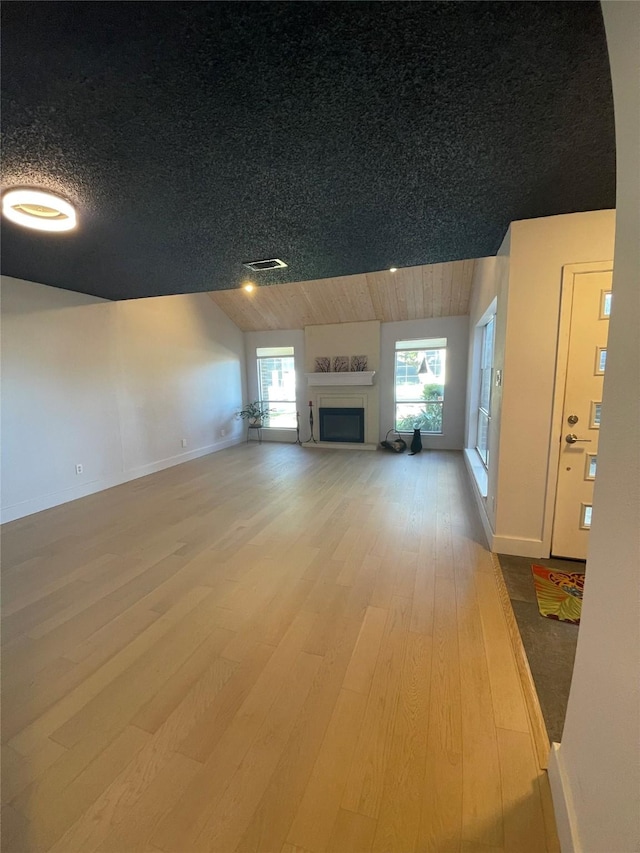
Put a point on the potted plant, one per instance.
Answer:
(254, 412)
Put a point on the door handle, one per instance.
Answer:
(572, 438)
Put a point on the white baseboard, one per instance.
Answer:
(562, 803)
(279, 436)
(41, 502)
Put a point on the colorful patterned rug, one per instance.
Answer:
(559, 593)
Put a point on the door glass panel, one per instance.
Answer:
(586, 516)
(605, 305)
(596, 411)
(591, 464)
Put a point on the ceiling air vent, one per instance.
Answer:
(269, 264)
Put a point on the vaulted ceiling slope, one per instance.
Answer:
(342, 137)
(412, 293)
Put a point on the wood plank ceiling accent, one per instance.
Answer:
(412, 293)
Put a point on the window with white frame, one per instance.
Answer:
(277, 386)
(419, 384)
(484, 399)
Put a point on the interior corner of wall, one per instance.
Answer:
(505, 246)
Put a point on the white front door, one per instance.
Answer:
(590, 302)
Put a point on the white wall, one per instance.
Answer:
(114, 386)
(526, 279)
(595, 773)
(59, 400)
(456, 331)
(539, 250)
(281, 338)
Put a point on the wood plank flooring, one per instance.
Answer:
(266, 650)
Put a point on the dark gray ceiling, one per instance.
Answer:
(343, 137)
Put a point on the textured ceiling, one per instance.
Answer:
(411, 293)
(343, 137)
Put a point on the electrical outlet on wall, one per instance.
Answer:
(184, 442)
(79, 469)
(223, 432)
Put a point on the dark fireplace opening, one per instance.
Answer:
(342, 425)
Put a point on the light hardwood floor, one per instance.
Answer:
(266, 649)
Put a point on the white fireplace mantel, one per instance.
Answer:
(359, 377)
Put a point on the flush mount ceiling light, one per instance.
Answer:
(268, 264)
(38, 209)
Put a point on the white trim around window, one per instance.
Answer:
(277, 386)
(483, 413)
(419, 385)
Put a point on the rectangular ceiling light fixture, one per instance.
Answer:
(269, 264)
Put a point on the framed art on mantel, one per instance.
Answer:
(341, 363)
